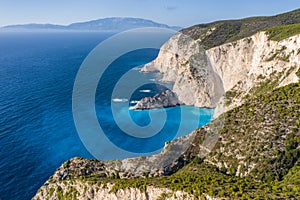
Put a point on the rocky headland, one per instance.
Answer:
(202, 76)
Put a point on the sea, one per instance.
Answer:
(37, 130)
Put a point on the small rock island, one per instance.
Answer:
(162, 100)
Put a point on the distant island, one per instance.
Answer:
(113, 24)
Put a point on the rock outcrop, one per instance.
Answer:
(161, 100)
(81, 190)
(183, 61)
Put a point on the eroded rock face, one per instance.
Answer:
(161, 100)
(184, 61)
(103, 192)
(246, 63)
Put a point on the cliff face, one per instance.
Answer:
(183, 61)
(202, 76)
(84, 190)
(248, 62)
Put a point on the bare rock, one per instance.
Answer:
(161, 100)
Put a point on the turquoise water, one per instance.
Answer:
(37, 132)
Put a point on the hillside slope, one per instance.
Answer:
(220, 32)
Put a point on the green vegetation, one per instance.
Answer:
(298, 73)
(70, 193)
(229, 95)
(280, 54)
(164, 196)
(282, 32)
(200, 178)
(265, 86)
(285, 58)
(66, 164)
(290, 70)
(221, 32)
(267, 127)
(51, 191)
(59, 192)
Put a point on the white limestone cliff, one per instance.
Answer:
(202, 76)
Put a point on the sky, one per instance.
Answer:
(182, 13)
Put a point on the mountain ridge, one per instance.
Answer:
(224, 31)
(103, 24)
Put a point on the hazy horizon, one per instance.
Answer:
(172, 13)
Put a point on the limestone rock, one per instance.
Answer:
(161, 100)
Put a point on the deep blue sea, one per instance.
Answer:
(37, 131)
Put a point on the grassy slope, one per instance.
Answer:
(282, 32)
(232, 30)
